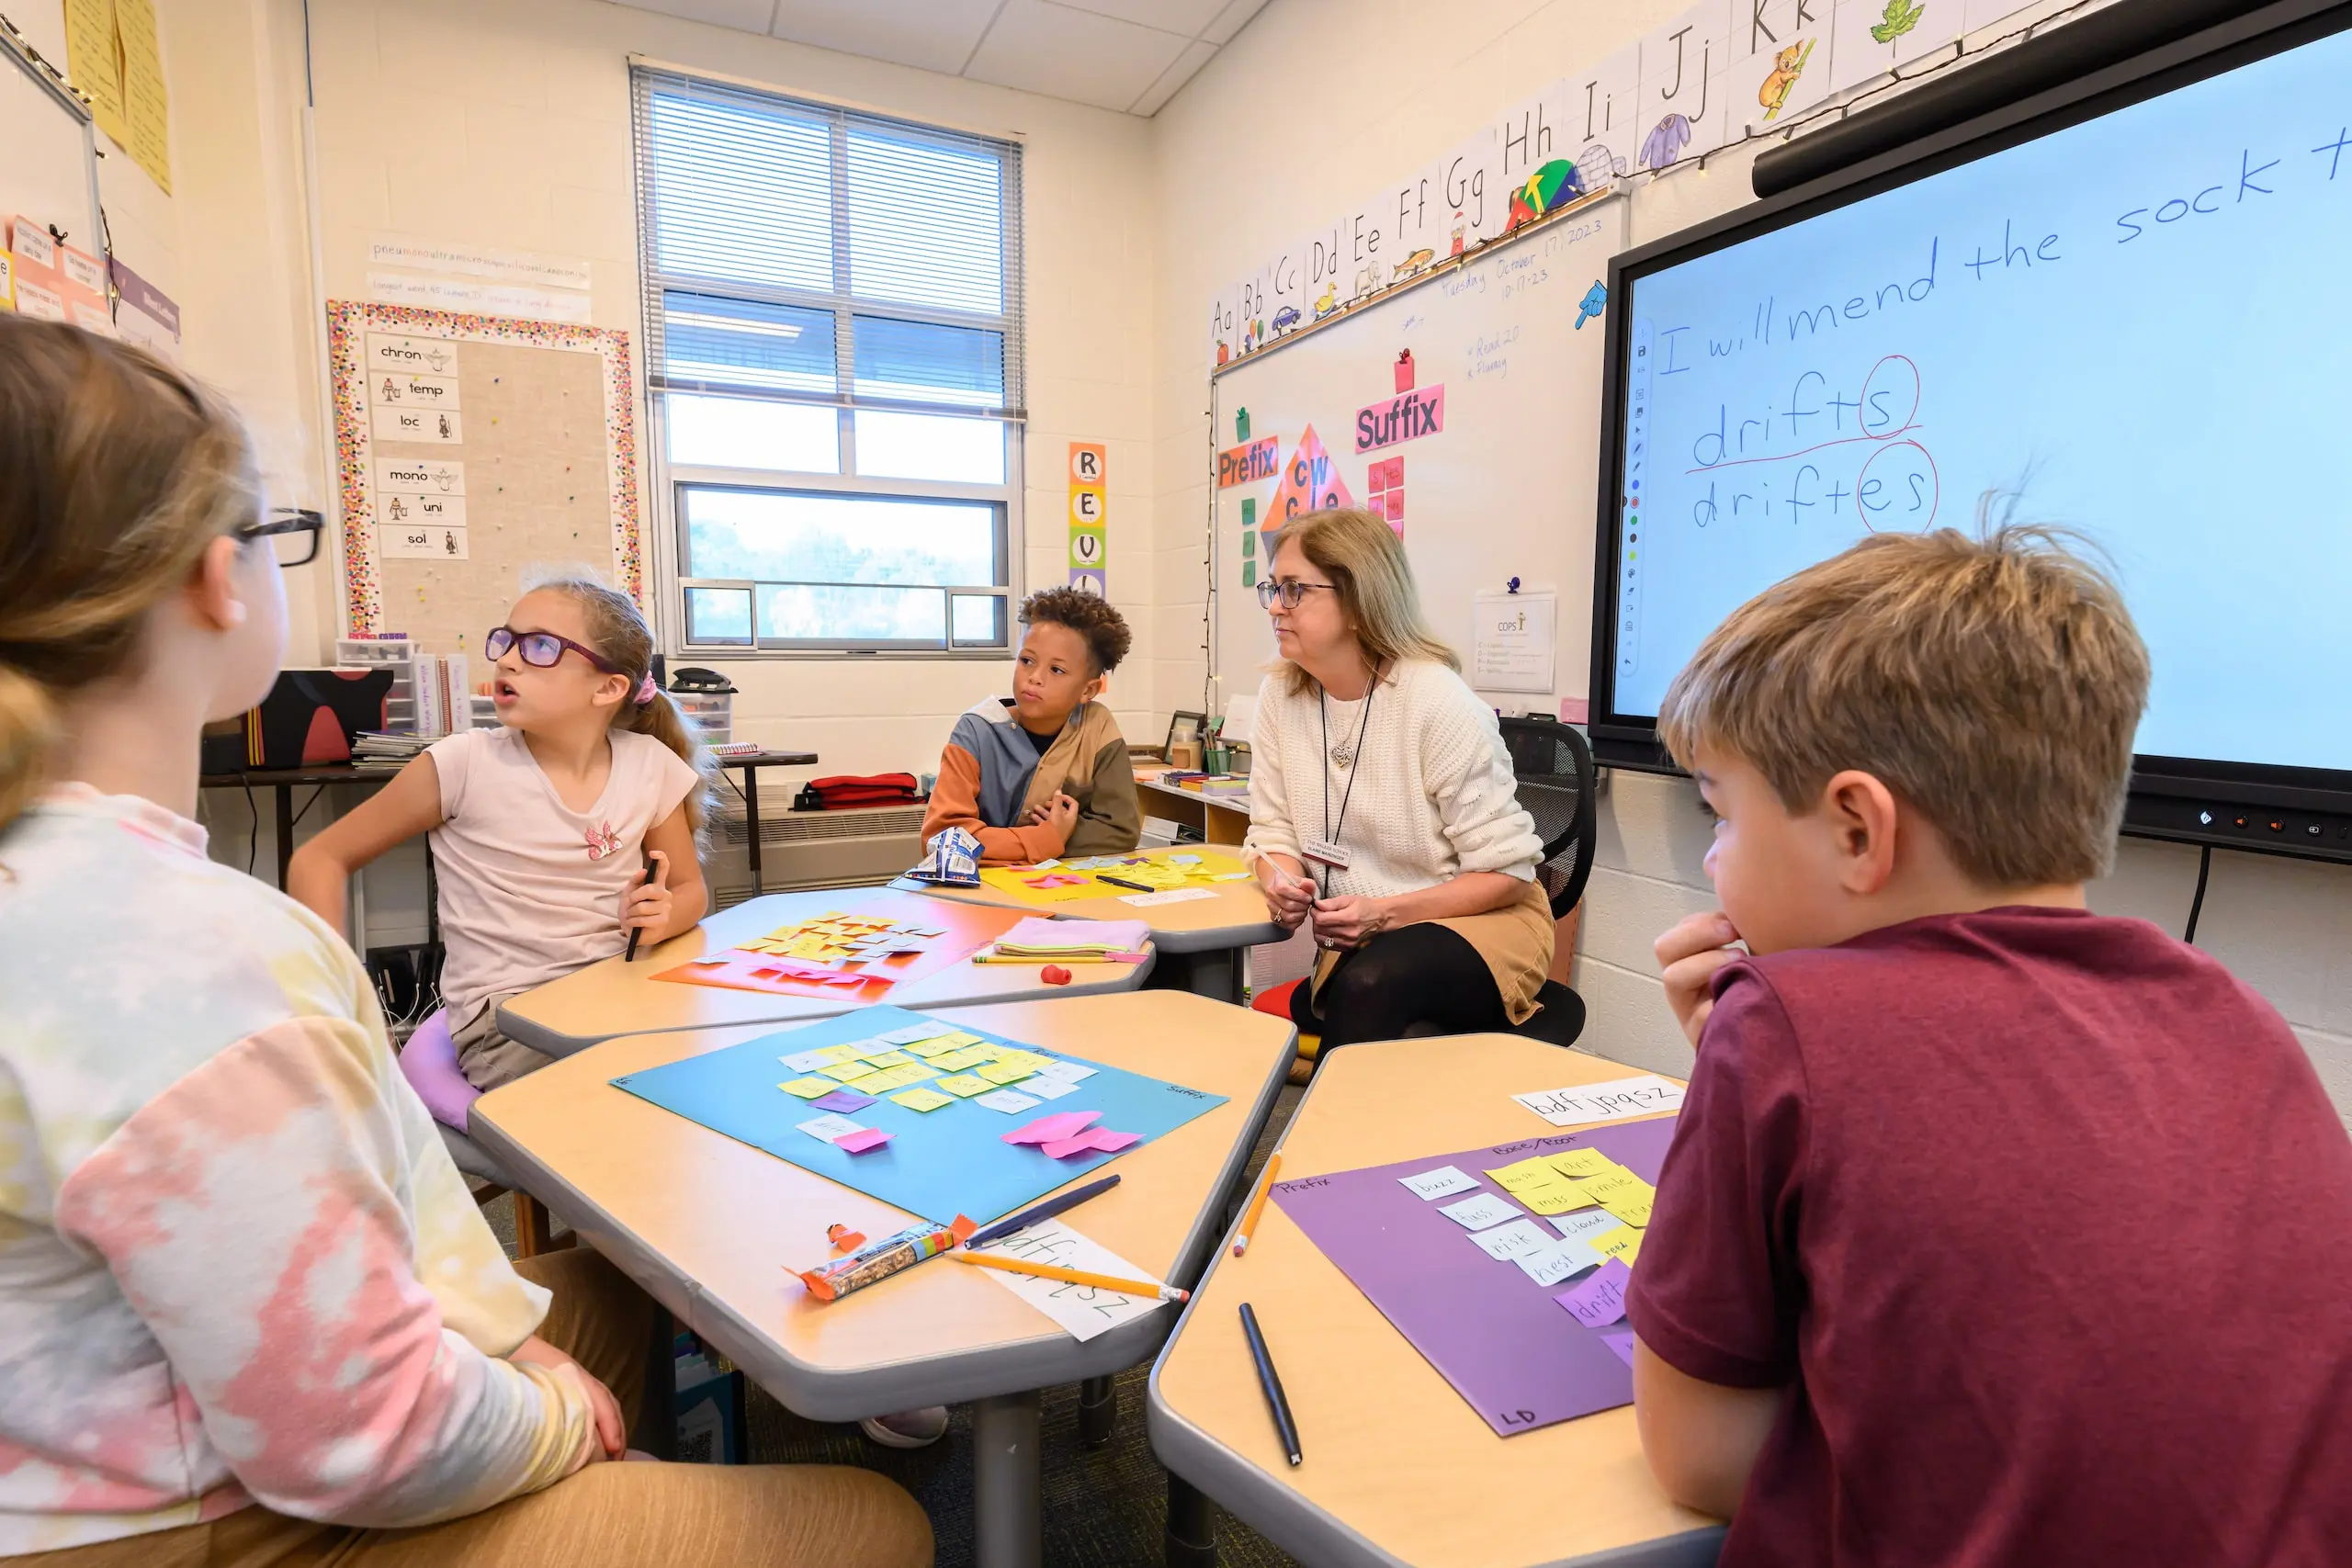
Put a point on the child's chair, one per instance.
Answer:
(429, 1061)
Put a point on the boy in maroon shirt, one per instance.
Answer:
(1993, 1232)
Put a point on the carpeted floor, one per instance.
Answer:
(1104, 1507)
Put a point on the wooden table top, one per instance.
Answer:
(1398, 1468)
(614, 997)
(713, 1228)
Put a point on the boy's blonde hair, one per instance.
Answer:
(1365, 562)
(1994, 683)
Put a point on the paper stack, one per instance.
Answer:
(1071, 942)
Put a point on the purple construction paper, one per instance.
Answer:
(1599, 1300)
(1488, 1330)
(843, 1100)
(1623, 1344)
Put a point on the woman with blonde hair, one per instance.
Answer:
(1383, 806)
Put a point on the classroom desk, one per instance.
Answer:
(614, 997)
(1398, 1470)
(284, 781)
(709, 1227)
(1203, 942)
(751, 762)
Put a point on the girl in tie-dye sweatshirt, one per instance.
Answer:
(248, 1311)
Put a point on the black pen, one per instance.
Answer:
(1045, 1211)
(1118, 882)
(636, 932)
(1273, 1383)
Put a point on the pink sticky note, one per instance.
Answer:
(1599, 1301)
(1110, 1143)
(1053, 1129)
(874, 1138)
(1062, 1148)
(1621, 1343)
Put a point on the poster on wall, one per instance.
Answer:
(1089, 483)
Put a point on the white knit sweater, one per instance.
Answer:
(1433, 792)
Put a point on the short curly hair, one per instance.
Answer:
(1089, 616)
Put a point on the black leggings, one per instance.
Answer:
(1418, 979)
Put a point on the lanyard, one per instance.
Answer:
(1355, 762)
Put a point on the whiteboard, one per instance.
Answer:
(1504, 489)
(51, 169)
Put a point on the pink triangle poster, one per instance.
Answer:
(1311, 481)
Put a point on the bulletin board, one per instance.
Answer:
(470, 449)
(1483, 457)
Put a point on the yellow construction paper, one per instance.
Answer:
(922, 1099)
(1005, 1072)
(964, 1084)
(1623, 1242)
(808, 1089)
(1582, 1162)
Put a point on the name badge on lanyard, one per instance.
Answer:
(1325, 853)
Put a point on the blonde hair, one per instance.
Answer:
(116, 473)
(617, 629)
(1366, 564)
(1995, 683)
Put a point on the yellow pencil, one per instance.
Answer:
(1073, 1276)
(1258, 1204)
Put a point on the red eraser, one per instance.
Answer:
(1053, 975)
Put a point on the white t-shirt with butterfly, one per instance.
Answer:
(531, 889)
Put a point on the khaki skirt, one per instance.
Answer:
(1515, 940)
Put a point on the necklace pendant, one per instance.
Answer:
(1343, 757)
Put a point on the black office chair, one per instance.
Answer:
(1554, 770)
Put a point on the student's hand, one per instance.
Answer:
(1060, 814)
(611, 1431)
(1688, 956)
(1350, 921)
(649, 906)
(1289, 897)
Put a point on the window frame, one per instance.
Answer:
(668, 483)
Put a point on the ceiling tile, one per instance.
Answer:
(1231, 20)
(1185, 16)
(744, 15)
(1155, 97)
(935, 35)
(1040, 47)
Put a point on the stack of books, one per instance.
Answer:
(378, 752)
(1035, 940)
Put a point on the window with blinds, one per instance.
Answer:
(834, 353)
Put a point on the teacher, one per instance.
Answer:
(1382, 807)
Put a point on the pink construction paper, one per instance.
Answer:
(1053, 1129)
(1094, 1140)
(874, 1137)
(1599, 1301)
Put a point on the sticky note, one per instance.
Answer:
(1438, 1183)
(849, 1052)
(964, 1085)
(874, 1084)
(846, 1072)
(1599, 1301)
(931, 1050)
(1618, 1183)
(1096, 1140)
(843, 1098)
(921, 1100)
(808, 1089)
(1589, 1225)
(860, 1141)
(1054, 1128)
(713, 962)
(1046, 1088)
(1622, 1343)
(917, 1034)
(962, 1037)
(825, 1129)
(1633, 1208)
(1004, 1099)
(1556, 1260)
(1003, 1072)
(959, 1059)
(1478, 1213)
(1625, 1243)
(1068, 1072)
(1510, 1178)
(805, 1062)
(889, 1059)
(1583, 1162)
(1521, 1235)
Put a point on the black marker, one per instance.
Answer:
(1273, 1383)
(1045, 1211)
(1117, 882)
(636, 932)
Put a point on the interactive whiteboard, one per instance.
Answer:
(2143, 319)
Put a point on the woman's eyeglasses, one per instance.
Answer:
(1289, 590)
(543, 651)
(292, 532)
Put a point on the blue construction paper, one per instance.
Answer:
(947, 1162)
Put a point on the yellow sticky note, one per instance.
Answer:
(1558, 1198)
(889, 1059)
(964, 1084)
(808, 1089)
(963, 1037)
(930, 1050)
(1511, 1176)
(913, 1072)
(1006, 1072)
(1583, 1162)
(1624, 1241)
(876, 1084)
(1633, 1208)
(1615, 1184)
(842, 1053)
(955, 1060)
(847, 1072)
(922, 1099)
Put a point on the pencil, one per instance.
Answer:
(1272, 1383)
(1074, 1276)
(636, 932)
(1045, 1211)
(1258, 1204)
